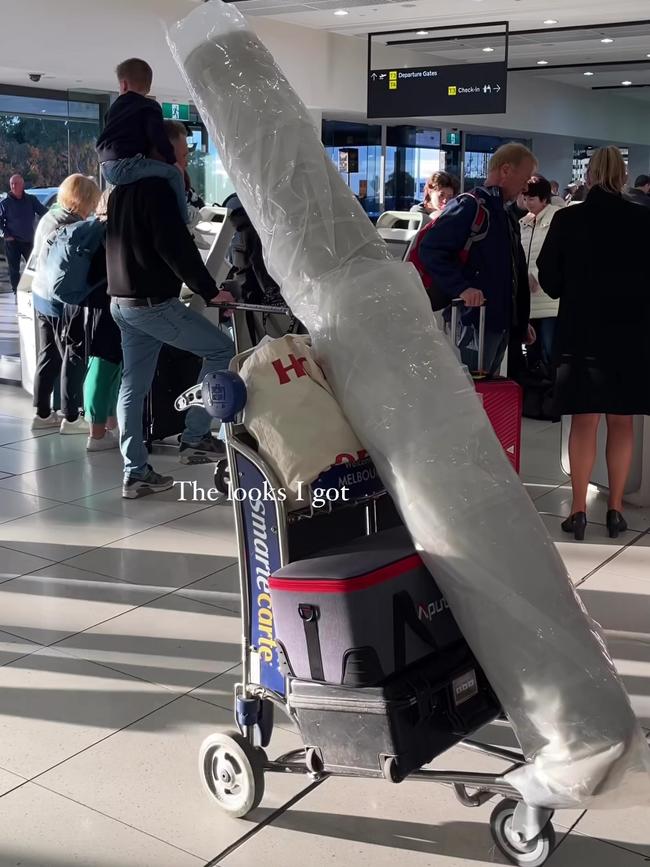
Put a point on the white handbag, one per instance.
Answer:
(291, 411)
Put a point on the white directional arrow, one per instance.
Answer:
(497, 87)
(374, 76)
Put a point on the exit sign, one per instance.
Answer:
(176, 111)
(453, 137)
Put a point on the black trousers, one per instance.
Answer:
(62, 352)
(14, 250)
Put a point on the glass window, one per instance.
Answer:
(362, 142)
(413, 154)
(46, 139)
(207, 174)
(582, 153)
(478, 150)
(364, 182)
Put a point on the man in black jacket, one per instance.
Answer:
(18, 214)
(149, 255)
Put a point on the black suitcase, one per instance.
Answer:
(177, 370)
(393, 729)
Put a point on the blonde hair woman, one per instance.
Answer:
(61, 343)
(592, 261)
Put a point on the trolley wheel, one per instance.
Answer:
(232, 772)
(534, 853)
(390, 770)
(222, 477)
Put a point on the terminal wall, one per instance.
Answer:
(79, 44)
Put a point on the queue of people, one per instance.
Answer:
(544, 271)
(105, 348)
(555, 277)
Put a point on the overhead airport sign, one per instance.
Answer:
(424, 91)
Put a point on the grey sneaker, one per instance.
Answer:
(209, 449)
(152, 483)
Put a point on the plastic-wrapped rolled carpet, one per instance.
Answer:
(415, 410)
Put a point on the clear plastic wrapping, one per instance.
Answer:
(414, 409)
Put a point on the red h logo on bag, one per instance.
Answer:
(297, 366)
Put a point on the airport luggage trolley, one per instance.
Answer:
(233, 764)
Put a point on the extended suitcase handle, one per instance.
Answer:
(456, 304)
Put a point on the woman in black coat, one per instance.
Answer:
(594, 261)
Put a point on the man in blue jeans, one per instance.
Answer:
(149, 255)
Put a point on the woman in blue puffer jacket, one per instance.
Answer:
(60, 338)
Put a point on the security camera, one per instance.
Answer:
(35, 76)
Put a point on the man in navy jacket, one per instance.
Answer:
(18, 214)
(495, 270)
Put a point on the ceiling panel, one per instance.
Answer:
(389, 14)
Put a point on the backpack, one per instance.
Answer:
(71, 249)
(252, 282)
(478, 231)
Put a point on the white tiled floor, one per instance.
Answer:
(119, 647)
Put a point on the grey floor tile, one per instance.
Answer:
(59, 600)
(8, 781)
(65, 531)
(173, 642)
(158, 790)
(13, 647)
(158, 557)
(37, 831)
(220, 589)
(13, 564)
(54, 705)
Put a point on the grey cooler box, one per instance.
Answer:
(359, 614)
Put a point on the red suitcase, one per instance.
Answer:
(502, 398)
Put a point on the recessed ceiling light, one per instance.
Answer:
(550, 21)
(607, 41)
(647, 55)
(542, 62)
(341, 12)
(422, 33)
(488, 50)
(587, 73)
(626, 83)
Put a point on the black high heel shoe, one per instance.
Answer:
(616, 523)
(576, 524)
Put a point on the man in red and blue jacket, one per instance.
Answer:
(494, 268)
